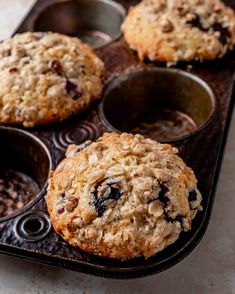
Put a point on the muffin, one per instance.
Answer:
(46, 78)
(172, 31)
(122, 196)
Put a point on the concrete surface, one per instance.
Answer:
(209, 269)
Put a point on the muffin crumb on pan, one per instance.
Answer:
(172, 31)
(46, 77)
(123, 196)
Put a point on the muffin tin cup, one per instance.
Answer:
(138, 101)
(27, 160)
(204, 97)
(96, 22)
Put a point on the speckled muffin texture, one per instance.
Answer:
(172, 31)
(122, 196)
(46, 77)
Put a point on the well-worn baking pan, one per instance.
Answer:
(27, 232)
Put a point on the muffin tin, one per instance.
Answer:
(200, 115)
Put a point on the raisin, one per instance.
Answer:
(56, 66)
(192, 196)
(178, 218)
(196, 22)
(73, 90)
(114, 194)
(163, 188)
(99, 203)
(224, 32)
(60, 210)
(13, 70)
(161, 196)
(6, 52)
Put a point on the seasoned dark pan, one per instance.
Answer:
(27, 233)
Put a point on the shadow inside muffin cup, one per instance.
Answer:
(163, 104)
(96, 22)
(24, 166)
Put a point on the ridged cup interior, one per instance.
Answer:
(163, 104)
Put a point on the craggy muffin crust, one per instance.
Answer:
(122, 196)
(180, 30)
(46, 77)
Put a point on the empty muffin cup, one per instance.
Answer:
(96, 22)
(24, 166)
(163, 104)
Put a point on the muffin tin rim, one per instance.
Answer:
(118, 80)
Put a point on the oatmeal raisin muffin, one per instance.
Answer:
(173, 31)
(46, 77)
(122, 196)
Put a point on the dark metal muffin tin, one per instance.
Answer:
(28, 233)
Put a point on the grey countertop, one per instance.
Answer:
(210, 268)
